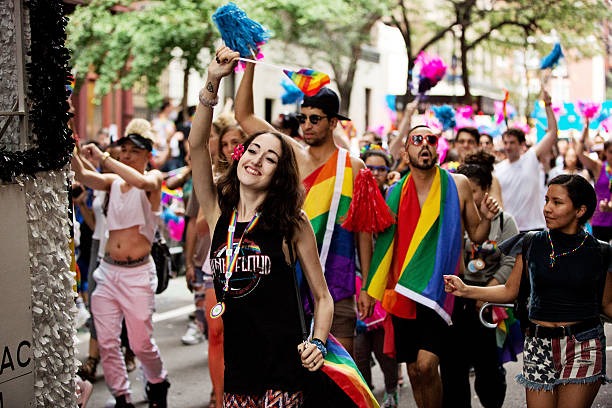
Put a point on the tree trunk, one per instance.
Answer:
(184, 103)
(411, 61)
(465, 75)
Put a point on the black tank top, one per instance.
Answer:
(261, 323)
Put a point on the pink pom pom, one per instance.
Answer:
(588, 109)
(176, 229)
(432, 70)
(442, 148)
(465, 112)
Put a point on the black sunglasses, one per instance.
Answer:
(314, 119)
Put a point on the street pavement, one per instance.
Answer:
(188, 365)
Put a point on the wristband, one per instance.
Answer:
(319, 344)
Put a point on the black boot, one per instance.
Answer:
(157, 393)
(120, 402)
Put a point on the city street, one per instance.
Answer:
(188, 369)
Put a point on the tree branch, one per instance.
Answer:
(438, 36)
(525, 26)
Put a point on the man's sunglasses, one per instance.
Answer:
(418, 140)
(377, 168)
(314, 119)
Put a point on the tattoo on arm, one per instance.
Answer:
(210, 88)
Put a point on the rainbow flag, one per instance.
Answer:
(308, 80)
(508, 334)
(329, 191)
(340, 367)
(426, 244)
(168, 194)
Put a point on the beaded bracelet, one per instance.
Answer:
(319, 344)
(208, 102)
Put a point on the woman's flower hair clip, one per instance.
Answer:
(238, 152)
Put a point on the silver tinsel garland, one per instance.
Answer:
(53, 305)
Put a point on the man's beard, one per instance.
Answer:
(314, 141)
(414, 163)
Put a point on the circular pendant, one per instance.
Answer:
(476, 265)
(217, 310)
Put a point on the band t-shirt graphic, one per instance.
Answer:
(260, 322)
(250, 266)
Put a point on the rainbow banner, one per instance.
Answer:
(329, 191)
(168, 194)
(341, 368)
(308, 80)
(424, 244)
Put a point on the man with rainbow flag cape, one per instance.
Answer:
(328, 174)
(411, 257)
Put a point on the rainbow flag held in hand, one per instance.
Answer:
(340, 367)
(308, 80)
(426, 242)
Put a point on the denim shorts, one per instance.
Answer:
(578, 359)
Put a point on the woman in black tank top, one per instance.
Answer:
(255, 214)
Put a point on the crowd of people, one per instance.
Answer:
(263, 201)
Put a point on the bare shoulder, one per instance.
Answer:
(463, 185)
(357, 164)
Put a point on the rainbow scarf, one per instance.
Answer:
(340, 367)
(329, 191)
(428, 240)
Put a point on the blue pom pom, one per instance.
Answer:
(239, 32)
(446, 115)
(292, 94)
(552, 59)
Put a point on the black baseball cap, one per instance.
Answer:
(326, 100)
(139, 141)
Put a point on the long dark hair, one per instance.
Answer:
(281, 210)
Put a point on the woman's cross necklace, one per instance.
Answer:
(554, 257)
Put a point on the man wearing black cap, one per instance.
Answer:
(318, 118)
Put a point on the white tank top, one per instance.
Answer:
(131, 208)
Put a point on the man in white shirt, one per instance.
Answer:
(520, 174)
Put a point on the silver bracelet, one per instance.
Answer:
(208, 102)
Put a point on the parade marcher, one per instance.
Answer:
(602, 174)
(379, 161)
(520, 175)
(568, 273)
(411, 256)
(255, 219)
(466, 141)
(322, 165)
(126, 278)
(486, 142)
(484, 265)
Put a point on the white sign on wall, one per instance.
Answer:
(16, 364)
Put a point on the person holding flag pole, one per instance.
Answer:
(255, 218)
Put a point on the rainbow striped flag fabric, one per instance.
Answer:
(423, 245)
(340, 367)
(508, 334)
(329, 191)
(308, 80)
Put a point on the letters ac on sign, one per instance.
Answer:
(19, 357)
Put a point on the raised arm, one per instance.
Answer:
(397, 144)
(550, 139)
(593, 165)
(201, 163)
(244, 109)
(150, 181)
(91, 179)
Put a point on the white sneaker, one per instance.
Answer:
(193, 335)
(82, 314)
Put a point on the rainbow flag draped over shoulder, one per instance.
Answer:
(340, 367)
(329, 190)
(429, 245)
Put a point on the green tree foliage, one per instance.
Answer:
(506, 24)
(329, 30)
(129, 42)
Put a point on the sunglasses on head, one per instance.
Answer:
(418, 140)
(377, 168)
(314, 119)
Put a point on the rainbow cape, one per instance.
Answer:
(329, 191)
(308, 80)
(430, 246)
(340, 367)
